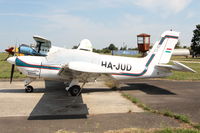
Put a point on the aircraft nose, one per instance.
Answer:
(11, 60)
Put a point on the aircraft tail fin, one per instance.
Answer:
(164, 48)
(169, 40)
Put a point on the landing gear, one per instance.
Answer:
(75, 90)
(29, 89)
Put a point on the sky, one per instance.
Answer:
(67, 22)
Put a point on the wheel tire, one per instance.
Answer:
(74, 90)
(29, 89)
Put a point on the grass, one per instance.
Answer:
(197, 126)
(186, 75)
(137, 102)
(183, 58)
(165, 130)
(5, 68)
(180, 117)
(178, 75)
(169, 130)
(137, 130)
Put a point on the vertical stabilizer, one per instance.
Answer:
(167, 43)
(163, 49)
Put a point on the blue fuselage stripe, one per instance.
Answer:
(21, 63)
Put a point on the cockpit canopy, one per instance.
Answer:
(42, 45)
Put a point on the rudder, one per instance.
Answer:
(167, 44)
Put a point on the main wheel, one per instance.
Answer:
(29, 89)
(74, 90)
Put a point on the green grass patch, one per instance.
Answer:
(177, 75)
(197, 126)
(187, 75)
(168, 113)
(5, 68)
(170, 130)
(138, 130)
(132, 99)
(182, 118)
(183, 58)
(137, 102)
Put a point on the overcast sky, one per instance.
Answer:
(67, 22)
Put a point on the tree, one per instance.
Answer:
(123, 48)
(195, 45)
(105, 50)
(75, 47)
(112, 47)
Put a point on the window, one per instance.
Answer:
(140, 40)
(146, 40)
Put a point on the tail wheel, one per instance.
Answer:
(29, 89)
(74, 90)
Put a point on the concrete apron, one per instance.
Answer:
(54, 100)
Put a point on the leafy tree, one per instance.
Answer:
(133, 48)
(106, 50)
(195, 45)
(185, 47)
(75, 47)
(112, 47)
(123, 48)
(96, 50)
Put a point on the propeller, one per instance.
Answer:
(12, 72)
(11, 60)
(13, 64)
(10, 52)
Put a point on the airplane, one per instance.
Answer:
(24, 49)
(81, 65)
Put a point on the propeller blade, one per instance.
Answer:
(12, 72)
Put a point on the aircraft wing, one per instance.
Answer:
(177, 67)
(84, 71)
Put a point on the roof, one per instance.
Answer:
(143, 35)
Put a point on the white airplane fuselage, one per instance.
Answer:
(48, 67)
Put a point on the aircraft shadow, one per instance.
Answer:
(56, 103)
(37, 90)
(146, 88)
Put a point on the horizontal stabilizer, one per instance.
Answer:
(177, 67)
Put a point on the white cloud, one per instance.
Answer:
(69, 29)
(170, 6)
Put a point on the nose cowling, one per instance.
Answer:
(11, 60)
